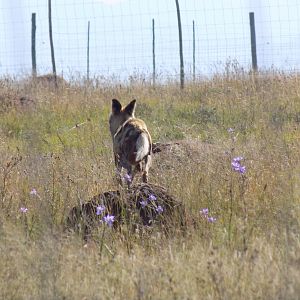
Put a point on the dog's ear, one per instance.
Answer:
(115, 106)
(130, 108)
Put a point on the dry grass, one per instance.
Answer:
(250, 252)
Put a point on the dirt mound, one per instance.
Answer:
(181, 156)
(10, 99)
(48, 80)
(189, 149)
(138, 206)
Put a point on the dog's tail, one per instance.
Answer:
(143, 146)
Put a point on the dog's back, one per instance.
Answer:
(131, 140)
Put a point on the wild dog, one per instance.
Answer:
(132, 144)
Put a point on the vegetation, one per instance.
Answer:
(55, 152)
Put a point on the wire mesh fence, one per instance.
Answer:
(139, 37)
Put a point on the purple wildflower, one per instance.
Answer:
(127, 178)
(23, 209)
(159, 209)
(236, 165)
(242, 169)
(211, 219)
(238, 159)
(204, 211)
(144, 203)
(230, 130)
(109, 219)
(33, 192)
(152, 197)
(100, 209)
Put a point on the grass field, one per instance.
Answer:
(48, 165)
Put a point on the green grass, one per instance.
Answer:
(250, 252)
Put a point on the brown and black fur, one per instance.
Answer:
(132, 142)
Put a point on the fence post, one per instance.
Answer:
(88, 54)
(180, 46)
(33, 49)
(253, 41)
(194, 52)
(153, 51)
(51, 39)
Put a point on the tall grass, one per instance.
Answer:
(57, 142)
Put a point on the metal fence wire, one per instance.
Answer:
(122, 38)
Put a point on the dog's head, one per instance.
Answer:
(120, 114)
